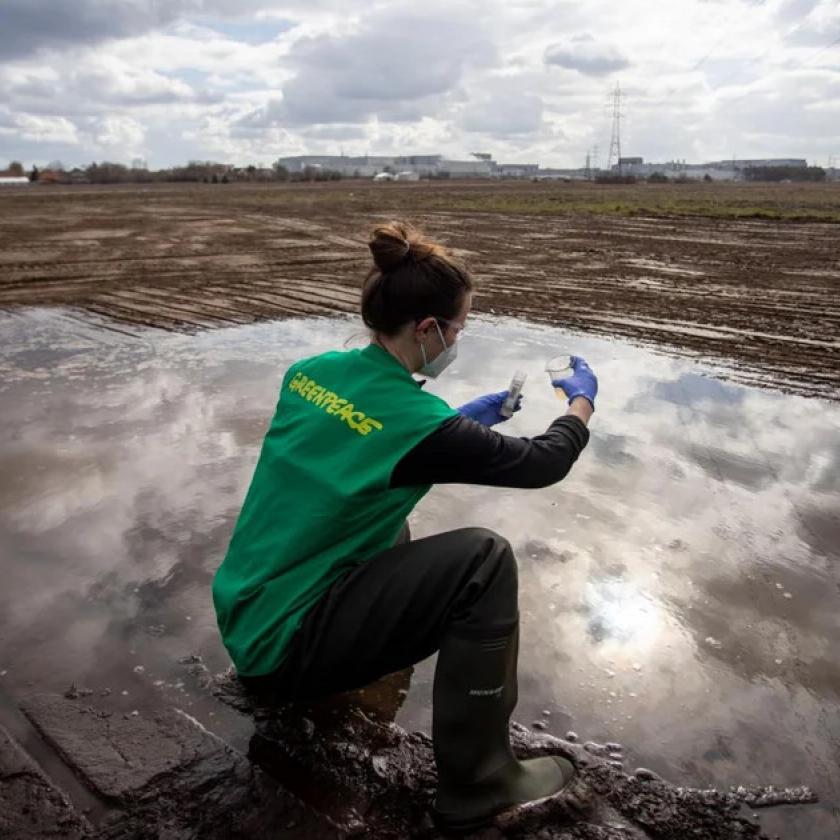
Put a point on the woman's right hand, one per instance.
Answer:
(582, 383)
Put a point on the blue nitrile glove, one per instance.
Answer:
(582, 383)
(485, 409)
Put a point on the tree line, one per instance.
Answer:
(205, 172)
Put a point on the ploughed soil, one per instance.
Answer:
(743, 277)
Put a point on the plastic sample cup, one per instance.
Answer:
(514, 391)
(559, 368)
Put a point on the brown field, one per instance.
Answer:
(745, 276)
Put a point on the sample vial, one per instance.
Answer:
(559, 368)
(514, 391)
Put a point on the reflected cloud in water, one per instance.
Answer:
(678, 590)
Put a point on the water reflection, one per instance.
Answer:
(679, 589)
(620, 616)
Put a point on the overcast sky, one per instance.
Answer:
(246, 81)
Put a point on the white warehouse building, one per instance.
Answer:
(718, 170)
(406, 166)
(363, 166)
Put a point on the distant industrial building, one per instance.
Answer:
(718, 170)
(517, 170)
(364, 166)
(482, 165)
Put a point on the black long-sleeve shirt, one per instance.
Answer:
(462, 451)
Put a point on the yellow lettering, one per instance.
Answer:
(330, 402)
(346, 413)
(336, 405)
(349, 415)
(368, 425)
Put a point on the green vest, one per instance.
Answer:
(319, 503)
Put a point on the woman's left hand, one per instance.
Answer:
(485, 409)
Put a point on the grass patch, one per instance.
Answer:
(768, 202)
(656, 206)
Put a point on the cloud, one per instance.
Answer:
(38, 129)
(32, 24)
(504, 113)
(113, 137)
(376, 71)
(302, 106)
(91, 84)
(119, 133)
(249, 80)
(810, 100)
(818, 30)
(584, 54)
(126, 86)
(795, 10)
(336, 131)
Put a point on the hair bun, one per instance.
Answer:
(390, 245)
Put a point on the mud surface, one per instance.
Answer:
(761, 298)
(31, 807)
(381, 779)
(323, 771)
(679, 590)
(161, 774)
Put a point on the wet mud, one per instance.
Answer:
(157, 773)
(326, 770)
(758, 298)
(341, 761)
(31, 807)
(381, 780)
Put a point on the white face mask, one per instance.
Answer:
(442, 361)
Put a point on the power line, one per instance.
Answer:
(710, 53)
(805, 64)
(755, 59)
(824, 49)
(770, 49)
(700, 62)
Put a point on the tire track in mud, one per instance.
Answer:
(759, 298)
(759, 330)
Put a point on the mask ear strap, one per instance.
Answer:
(440, 333)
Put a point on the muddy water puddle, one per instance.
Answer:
(679, 590)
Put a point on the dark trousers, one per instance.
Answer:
(394, 609)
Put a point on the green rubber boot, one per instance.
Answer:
(475, 692)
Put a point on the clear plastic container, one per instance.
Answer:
(513, 393)
(559, 367)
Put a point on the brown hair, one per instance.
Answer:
(411, 279)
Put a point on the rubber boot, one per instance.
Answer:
(475, 692)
